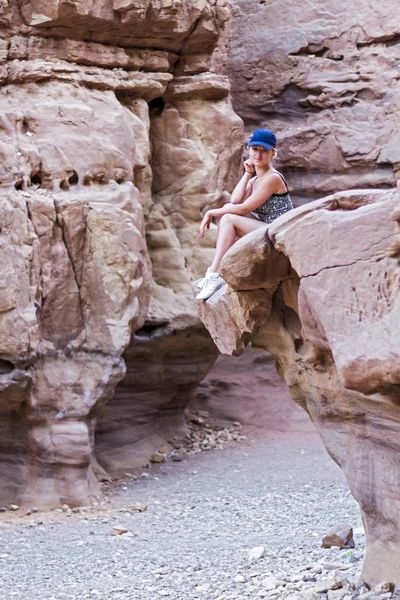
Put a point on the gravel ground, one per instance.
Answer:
(203, 516)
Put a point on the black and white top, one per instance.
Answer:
(275, 206)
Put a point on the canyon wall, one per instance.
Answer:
(247, 389)
(320, 290)
(116, 132)
(325, 76)
(112, 115)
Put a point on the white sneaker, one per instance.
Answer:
(212, 283)
(200, 282)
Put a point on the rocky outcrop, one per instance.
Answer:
(113, 114)
(192, 165)
(319, 289)
(325, 77)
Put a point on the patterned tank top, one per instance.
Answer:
(275, 206)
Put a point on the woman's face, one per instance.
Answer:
(260, 155)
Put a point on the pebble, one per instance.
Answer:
(384, 587)
(139, 507)
(158, 457)
(206, 587)
(118, 530)
(335, 566)
(32, 510)
(341, 536)
(257, 552)
(325, 586)
(271, 583)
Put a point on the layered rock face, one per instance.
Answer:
(320, 290)
(325, 77)
(75, 280)
(112, 113)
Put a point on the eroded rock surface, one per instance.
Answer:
(248, 389)
(112, 114)
(325, 76)
(328, 309)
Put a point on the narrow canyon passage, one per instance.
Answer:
(281, 491)
(122, 122)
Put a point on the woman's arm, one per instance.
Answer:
(264, 190)
(243, 189)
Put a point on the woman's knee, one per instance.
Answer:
(226, 219)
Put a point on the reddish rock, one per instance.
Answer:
(338, 346)
(99, 135)
(324, 77)
(248, 389)
(341, 536)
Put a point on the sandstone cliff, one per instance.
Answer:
(325, 77)
(112, 114)
(320, 290)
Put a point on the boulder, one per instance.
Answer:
(336, 344)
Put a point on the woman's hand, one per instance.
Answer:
(206, 222)
(249, 167)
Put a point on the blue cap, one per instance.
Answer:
(263, 137)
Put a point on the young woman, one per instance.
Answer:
(260, 197)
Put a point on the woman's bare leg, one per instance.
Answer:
(230, 227)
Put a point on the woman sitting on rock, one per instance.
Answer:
(260, 197)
